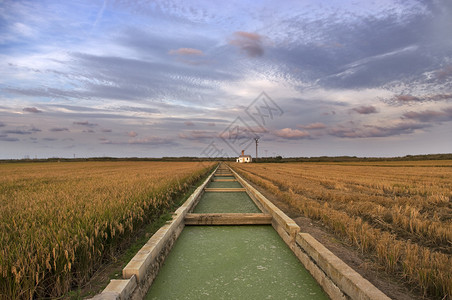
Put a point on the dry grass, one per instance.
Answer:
(399, 212)
(59, 221)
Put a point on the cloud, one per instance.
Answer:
(23, 29)
(123, 78)
(85, 123)
(150, 140)
(194, 54)
(289, 133)
(105, 141)
(411, 99)
(2, 124)
(153, 140)
(198, 135)
(406, 98)
(189, 123)
(186, 51)
(6, 138)
(139, 109)
(58, 129)
(439, 97)
(334, 48)
(317, 125)
(47, 92)
(132, 133)
(430, 115)
(248, 42)
(365, 110)
(17, 131)
(32, 110)
(444, 73)
(22, 131)
(370, 131)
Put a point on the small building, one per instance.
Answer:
(244, 158)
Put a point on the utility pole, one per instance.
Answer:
(256, 139)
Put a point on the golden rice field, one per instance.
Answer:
(60, 221)
(398, 212)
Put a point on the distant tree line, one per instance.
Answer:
(106, 158)
(275, 159)
(279, 159)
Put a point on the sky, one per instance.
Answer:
(206, 78)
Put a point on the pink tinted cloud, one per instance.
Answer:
(316, 125)
(444, 72)
(406, 98)
(289, 133)
(132, 133)
(186, 51)
(248, 42)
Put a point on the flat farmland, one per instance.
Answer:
(60, 221)
(398, 213)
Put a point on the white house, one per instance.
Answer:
(244, 158)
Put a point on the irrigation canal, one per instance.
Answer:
(233, 261)
(227, 241)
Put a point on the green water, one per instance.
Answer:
(233, 262)
(224, 184)
(224, 177)
(226, 202)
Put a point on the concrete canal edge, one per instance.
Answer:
(337, 279)
(142, 269)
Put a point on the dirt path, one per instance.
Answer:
(363, 264)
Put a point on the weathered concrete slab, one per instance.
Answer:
(118, 289)
(347, 279)
(139, 264)
(228, 219)
(333, 291)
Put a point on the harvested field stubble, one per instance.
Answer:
(400, 212)
(60, 221)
